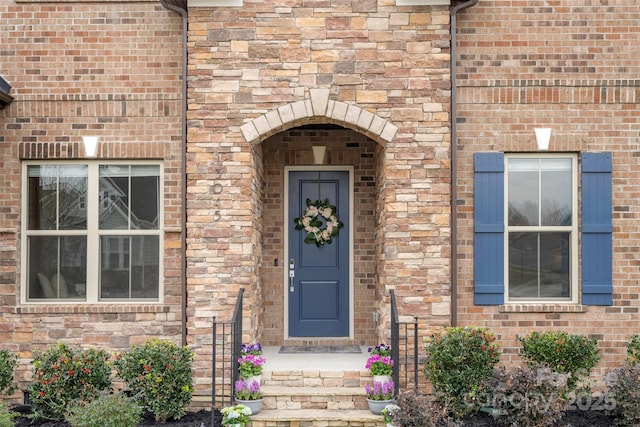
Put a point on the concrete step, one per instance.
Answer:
(329, 398)
(316, 378)
(315, 418)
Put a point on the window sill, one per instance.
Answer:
(91, 308)
(543, 308)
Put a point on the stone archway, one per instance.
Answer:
(267, 132)
(318, 105)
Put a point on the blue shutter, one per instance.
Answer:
(488, 242)
(597, 264)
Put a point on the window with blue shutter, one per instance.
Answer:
(488, 243)
(597, 228)
(542, 254)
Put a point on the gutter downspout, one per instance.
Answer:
(183, 235)
(454, 162)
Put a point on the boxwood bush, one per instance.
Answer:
(458, 362)
(64, 376)
(571, 354)
(158, 375)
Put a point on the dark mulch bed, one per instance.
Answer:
(570, 419)
(204, 419)
(191, 419)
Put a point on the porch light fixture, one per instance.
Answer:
(90, 145)
(543, 135)
(318, 154)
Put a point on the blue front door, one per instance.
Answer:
(318, 277)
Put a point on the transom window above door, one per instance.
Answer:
(91, 232)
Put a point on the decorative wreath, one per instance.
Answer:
(320, 221)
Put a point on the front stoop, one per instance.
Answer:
(311, 398)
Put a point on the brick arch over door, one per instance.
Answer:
(318, 105)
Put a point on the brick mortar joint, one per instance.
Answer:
(550, 83)
(102, 97)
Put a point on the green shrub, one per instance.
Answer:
(8, 362)
(458, 362)
(108, 410)
(6, 416)
(564, 353)
(526, 397)
(633, 350)
(159, 376)
(623, 397)
(64, 376)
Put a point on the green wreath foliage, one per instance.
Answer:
(320, 221)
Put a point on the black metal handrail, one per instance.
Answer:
(407, 360)
(227, 343)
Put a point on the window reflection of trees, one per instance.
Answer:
(526, 214)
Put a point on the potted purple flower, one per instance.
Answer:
(379, 395)
(379, 363)
(250, 362)
(249, 394)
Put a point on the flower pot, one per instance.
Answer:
(254, 405)
(381, 378)
(257, 378)
(376, 406)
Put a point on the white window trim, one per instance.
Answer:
(92, 232)
(573, 229)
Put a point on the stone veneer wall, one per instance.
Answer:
(259, 70)
(568, 67)
(111, 69)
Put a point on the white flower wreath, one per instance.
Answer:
(319, 232)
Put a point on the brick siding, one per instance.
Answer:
(573, 68)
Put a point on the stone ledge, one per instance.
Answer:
(542, 308)
(312, 391)
(73, 308)
(316, 417)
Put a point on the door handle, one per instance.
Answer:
(292, 274)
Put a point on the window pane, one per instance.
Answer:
(539, 265)
(145, 189)
(114, 197)
(43, 197)
(145, 272)
(114, 266)
(57, 192)
(555, 177)
(57, 267)
(73, 197)
(523, 190)
(129, 267)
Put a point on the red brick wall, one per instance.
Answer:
(111, 69)
(572, 67)
(344, 147)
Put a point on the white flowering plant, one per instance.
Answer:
(389, 412)
(320, 221)
(238, 414)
